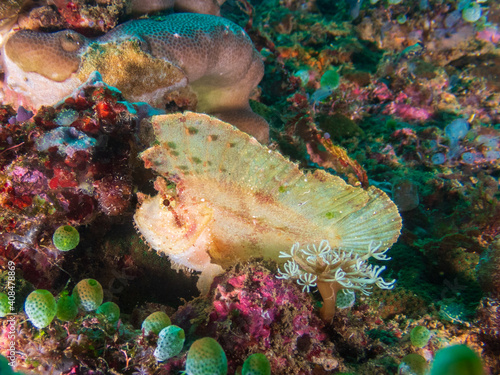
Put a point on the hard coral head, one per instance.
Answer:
(137, 74)
(55, 56)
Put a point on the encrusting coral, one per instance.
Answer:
(248, 310)
(236, 199)
(201, 62)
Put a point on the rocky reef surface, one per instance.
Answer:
(377, 124)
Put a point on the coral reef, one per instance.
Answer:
(90, 18)
(147, 60)
(51, 174)
(248, 310)
(397, 97)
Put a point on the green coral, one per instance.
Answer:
(338, 126)
(454, 312)
(345, 299)
(386, 337)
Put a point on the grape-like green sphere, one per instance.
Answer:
(206, 356)
(88, 294)
(5, 368)
(66, 238)
(155, 322)
(110, 310)
(413, 364)
(457, 360)
(40, 306)
(256, 364)
(4, 305)
(472, 13)
(67, 310)
(420, 336)
(170, 343)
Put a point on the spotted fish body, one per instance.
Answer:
(236, 199)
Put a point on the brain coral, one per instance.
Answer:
(146, 59)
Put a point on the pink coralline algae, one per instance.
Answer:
(260, 307)
(408, 112)
(252, 311)
(489, 35)
(28, 182)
